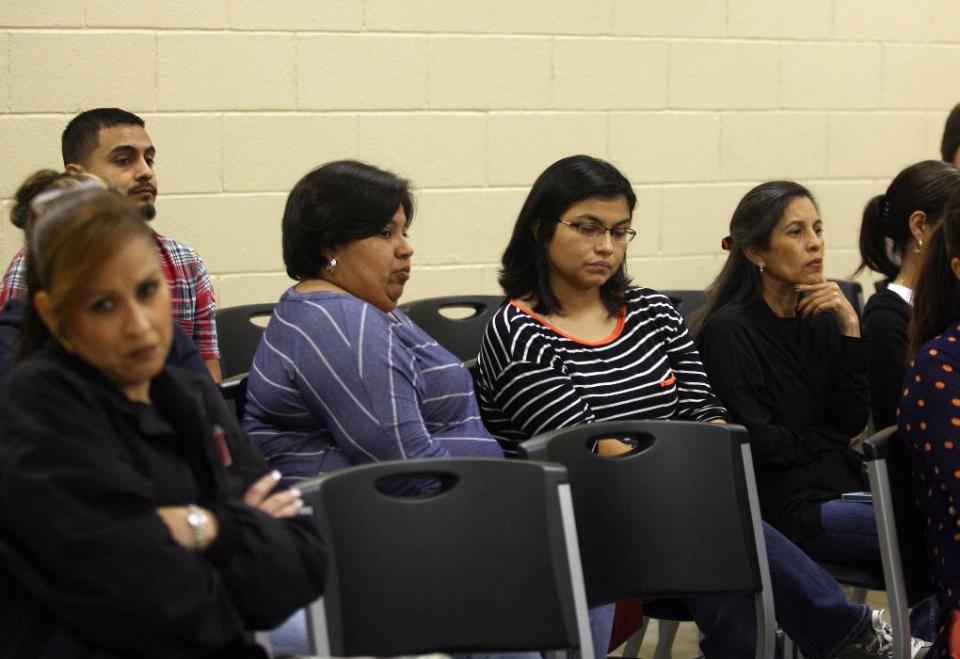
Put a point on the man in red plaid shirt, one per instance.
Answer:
(113, 144)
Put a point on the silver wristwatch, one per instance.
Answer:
(198, 522)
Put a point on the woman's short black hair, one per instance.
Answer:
(525, 265)
(338, 202)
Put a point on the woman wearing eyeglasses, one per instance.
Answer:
(577, 344)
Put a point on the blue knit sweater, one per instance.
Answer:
(336, 382)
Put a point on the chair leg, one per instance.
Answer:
(632, 647)
(858, 595)
(667, 632)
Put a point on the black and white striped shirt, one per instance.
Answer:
(534, 378)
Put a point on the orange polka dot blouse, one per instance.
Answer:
(929, 422)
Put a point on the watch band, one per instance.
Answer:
(198, 522)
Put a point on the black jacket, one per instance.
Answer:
(800, 387)
(885, 321)
(89, 568)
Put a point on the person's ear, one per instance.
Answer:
(753, 255)
(535, 229)
(918, 225)
(43, 303)
(73, 169)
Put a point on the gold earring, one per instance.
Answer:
(919, 247)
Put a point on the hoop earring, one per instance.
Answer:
(762, 268)
(331, 264)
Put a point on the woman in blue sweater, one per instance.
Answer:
(341, 376)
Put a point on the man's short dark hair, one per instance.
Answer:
(81, 136)
(951, 135)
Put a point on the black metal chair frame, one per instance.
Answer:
(905, 569)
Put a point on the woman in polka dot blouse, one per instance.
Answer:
(929, 418)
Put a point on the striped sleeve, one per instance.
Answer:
(524, 388)
(697, 401)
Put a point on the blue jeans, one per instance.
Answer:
(810, 607)
(850, 538)
(849, 535)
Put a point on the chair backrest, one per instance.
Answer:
(686, 301)
(461, 335)
(677, 516)
(489, 563)
(905, 565)
(234, 391)
(239, 335)
(853, 292)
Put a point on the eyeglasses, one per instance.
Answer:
(593, 231)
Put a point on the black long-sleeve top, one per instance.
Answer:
(801, 389)
(885, 320)
(88, 567)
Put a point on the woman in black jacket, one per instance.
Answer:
(783, 351)
(894, 238)
(136, 519)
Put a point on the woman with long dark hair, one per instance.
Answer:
(783, 349)
(929, 417)
(896, 227)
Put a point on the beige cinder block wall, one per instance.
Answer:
(696, 100)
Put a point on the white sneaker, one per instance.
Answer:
(877, 641)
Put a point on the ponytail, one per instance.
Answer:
(874, 231)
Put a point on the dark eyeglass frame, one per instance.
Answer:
(593, 231)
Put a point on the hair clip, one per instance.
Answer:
(726, 242)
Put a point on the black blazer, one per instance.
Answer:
(800, 387)
(90, 568)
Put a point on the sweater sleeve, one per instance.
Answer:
(255, 552)
(81, 516)
(737, 373)
(887, 332)
(696, 399)
(361, 383)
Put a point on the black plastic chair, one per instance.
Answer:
(490, 563)
(239, 336)
(676, 517)
(905, 567)
(854, 293)
(460, 335)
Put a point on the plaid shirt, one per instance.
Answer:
(192, 297)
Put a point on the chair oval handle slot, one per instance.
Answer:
(416, 485)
